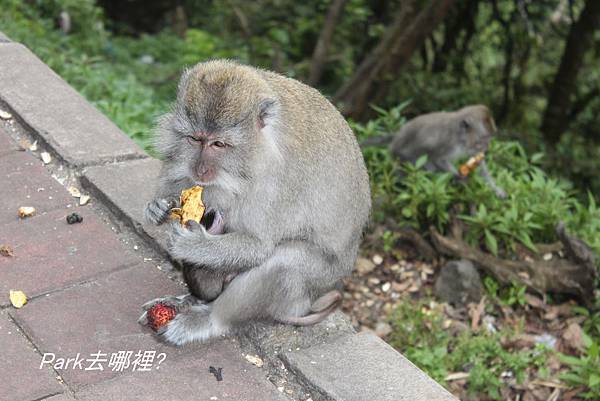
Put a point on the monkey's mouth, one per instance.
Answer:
(213, 222)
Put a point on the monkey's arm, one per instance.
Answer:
(229, 252)
(485, 173)
(166, 197)
(446, 165)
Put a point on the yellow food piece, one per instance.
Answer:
(26, 211)
(192, 207)
(471, 164)
(17, 298)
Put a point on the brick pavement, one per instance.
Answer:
(86, 288)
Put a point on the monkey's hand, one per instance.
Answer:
(501, 194)
(189, 243)
(157, 211)
(230, 252)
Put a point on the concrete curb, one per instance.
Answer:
(61, 118)
(329, 360)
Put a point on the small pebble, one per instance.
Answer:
(46, 158)
(5, 115)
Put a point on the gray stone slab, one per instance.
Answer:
(187, 378)
(126, 187)
(363, 367)
(63, 119)
(50, 254)
(22, 379)
(4, 38)
(97, 316)
(24, 181)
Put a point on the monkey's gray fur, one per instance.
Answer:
(285, 177)
(444, 137)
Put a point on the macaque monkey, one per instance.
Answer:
(445, 137)
(287, 197)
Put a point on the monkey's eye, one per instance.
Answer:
(219, 144)
(191, 139)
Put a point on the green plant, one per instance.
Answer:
(585, 370)
(418, 333)
(536, 202)
(483, 356)
(389, 240)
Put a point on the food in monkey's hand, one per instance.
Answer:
(471, 164)
(192, 207)
(159, 315)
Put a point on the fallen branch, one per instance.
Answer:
(414, 238)
(574, 276)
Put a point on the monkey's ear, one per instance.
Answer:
(267, 111)
(465, 125)
(183, 83)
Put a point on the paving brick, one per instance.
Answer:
(7, 144)
(127, 187)
(187, 378)
(22, 379)
(51, 254)
(100, 315)
(70, 125)
(24, 181)
(363, 367)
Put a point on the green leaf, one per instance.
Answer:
(594, 380)
(491, 242)
(570, 360)
(421, 161)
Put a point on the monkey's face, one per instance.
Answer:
(476, 135)
(219, 120)
(216, 153)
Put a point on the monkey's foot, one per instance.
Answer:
(180, 303)
(195, 324)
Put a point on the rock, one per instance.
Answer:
(364, 266)
(378, 259)
(459, 283)
(382, 329)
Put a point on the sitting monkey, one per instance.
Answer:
(445, 137)
(287, 195)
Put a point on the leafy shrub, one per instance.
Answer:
(585, 370)
(418, 332)
(535, 205)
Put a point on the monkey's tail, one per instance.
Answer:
(322, 307)
(377, 141)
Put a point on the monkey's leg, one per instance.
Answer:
(279, 289)
(180, 303)
(204, 284)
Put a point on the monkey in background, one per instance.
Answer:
(445, 137)
(287, 195)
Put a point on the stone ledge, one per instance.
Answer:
(4, 38)
(125, 188)
(61, 118)
(362, 367)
